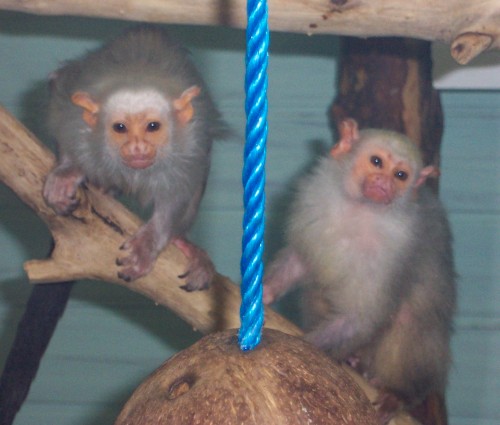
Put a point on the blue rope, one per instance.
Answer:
(252, 310)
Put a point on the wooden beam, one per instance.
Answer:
(470, 27)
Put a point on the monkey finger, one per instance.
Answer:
(183, 275)
(268, 297)
(387, 404)
(198, 277)
(65, 208)
(132, 273)
(124, 246)
(135, 243)
(124, 277)
(126, 261)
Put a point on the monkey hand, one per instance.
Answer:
(60, 190)
(200, 271)
(141, 257)
(274, 286)
(283, 274)
(268, 294)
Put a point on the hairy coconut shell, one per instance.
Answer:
(283, 381)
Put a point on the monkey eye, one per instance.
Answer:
(401, 175)
(376, 160)
(153, 126)
(119, 127)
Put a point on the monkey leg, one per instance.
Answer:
(200, 271)
(411, 358)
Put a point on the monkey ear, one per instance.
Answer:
(348, 132)
(183, 105)
(427, 172)
(90, 108)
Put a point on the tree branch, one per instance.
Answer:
(470, 27)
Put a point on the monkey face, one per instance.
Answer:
(137, 126)
(379, 176)
(138, 137)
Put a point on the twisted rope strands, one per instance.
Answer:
(252, 310)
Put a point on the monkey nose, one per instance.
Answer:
(379, 189)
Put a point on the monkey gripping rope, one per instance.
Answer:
(252, 310)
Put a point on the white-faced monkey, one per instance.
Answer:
(371, 247)
(135, 116)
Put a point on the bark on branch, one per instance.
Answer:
(470, 27)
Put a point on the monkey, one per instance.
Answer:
(371, 247)
(135, 117)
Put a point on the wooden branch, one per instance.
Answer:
(87, 242)
(470, 27)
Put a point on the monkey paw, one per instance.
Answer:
(59, 192)
(139, 261)
(268, 295)
(387, 404)
(200, 271)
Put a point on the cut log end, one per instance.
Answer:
(468, 45)
(283, 381)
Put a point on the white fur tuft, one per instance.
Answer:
(133, 102)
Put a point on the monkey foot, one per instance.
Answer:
(200, 271)
(387, 405)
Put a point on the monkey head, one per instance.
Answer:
(137, 123)
(381, 166)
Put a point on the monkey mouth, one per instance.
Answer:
(378, 193)
(139, 163)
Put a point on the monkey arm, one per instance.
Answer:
(283, 274)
